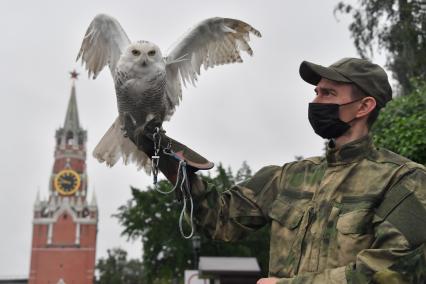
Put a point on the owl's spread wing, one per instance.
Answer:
(103, 44)
(212, 42)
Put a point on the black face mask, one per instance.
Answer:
(325, 121)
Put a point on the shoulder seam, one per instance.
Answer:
(397, 159)
(315, 160)
(408, 164)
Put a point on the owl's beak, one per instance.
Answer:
(144, 61)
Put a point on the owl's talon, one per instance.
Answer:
(129, 125)
(138, 131)
(128, 118)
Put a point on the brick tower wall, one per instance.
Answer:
(63, 259)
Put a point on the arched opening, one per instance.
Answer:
(69, 137)
(80, 139)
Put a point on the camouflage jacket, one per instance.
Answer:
(330, 221)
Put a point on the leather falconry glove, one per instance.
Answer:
(170, 153)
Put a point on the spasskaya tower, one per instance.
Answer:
(65, 225)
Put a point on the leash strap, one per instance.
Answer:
(182, 182)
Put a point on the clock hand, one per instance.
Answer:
(67, 182)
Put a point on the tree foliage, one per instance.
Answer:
(116, 269)
(397, 27)
(153, 217)
(401, 126)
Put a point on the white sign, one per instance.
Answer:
(191, 277)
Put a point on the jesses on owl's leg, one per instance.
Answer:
(129, 122)
(175, 151)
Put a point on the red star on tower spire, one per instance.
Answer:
(74, 75)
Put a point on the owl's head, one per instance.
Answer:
(143, 53)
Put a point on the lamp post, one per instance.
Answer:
(196, 245)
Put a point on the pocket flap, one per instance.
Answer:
(286, 214)
(354, 222)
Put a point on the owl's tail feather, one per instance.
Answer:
(114, 145)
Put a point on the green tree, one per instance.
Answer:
(116, 269)
(396, 27)
(243, 173)
(153, 217)
(401, 126)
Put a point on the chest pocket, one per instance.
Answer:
(355, 222)
(286, 214)
(353, 231)
(286, 217)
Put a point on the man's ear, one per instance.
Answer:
(368, 104)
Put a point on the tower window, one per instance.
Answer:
(69, 137)
(80, 139)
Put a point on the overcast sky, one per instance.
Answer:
(255, 111)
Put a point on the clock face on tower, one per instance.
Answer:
(67, 182)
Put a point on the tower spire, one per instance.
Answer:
(37, 201)
(71, 118)
(94, 203)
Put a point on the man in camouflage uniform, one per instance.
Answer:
(356, 215)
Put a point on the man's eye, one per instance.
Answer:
(326, 93)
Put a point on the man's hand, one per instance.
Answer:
(271, 280)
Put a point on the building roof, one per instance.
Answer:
(13, 280)
(228, 265)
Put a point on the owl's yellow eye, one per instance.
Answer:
(136, 52)
(151, 52)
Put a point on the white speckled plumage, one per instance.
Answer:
(148, 84)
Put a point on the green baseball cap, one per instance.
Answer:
(369, 77)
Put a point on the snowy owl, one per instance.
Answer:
(148, 84)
